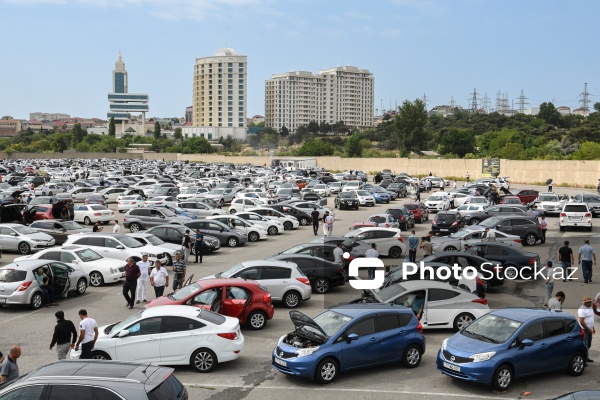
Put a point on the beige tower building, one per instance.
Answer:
(338, 94)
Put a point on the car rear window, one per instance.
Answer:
(171, 388)
(211, 317)
(576, 208)
(411, 206)
(445, 217)
(378, 220)
(12, 275)
(97, 208)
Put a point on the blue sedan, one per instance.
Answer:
(512, 343)
(349, 337)
(380, 197)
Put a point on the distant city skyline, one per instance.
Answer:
(59, 59)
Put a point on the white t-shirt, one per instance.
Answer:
(116, 228)
(88, 324)
(338, 252)
(159, 276)
(588, 315)
(372, 253)
(144, 266)
(552, 273)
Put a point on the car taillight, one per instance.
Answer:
(518, 240)
(124, 219)
(400, 239)
(340, 270)
(387, 225)
(563, 214)
(267, 298)
(97, 214)
(133, 202)
(230, 336)
(118, 203)
(588, 215)
(402, 218)
(532, 261)
(303, 280)
(24, 286)
(420, 327)
(160, 202)
(480, 301)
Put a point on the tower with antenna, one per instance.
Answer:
(425, 101)
(522, 103)
(585, 98)
(474, 101)
(485, 103)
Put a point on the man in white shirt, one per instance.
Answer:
(338, 253)
(116, 227)
(142, 282)
(88, 333)
(586, 321)
(551, 274)
(489, 235)
(372, 253)
(159, 279)
(557, 301)
(329, 224)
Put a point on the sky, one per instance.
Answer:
(58, 55)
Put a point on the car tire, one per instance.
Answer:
(292, 299)
(257, 320)
(24, 248)
(412, 356)
(203, 360)
(36, 300)
(356, 207)
(135, 227)
(321, 286)
(170, 259)
(96, 279)
(576, 364)
(81, 287)
(232, 242)
(530, 239)
(462, 320)
(272, 230)
(511, 268)
(326, 371)
(503, 378)
(563, 228)
(87, 221)
(253, 237)
(288, 225)
(395, 252)
(100, 355)
(450, 248)
(474, 221)
(303, 221)
(232, 211)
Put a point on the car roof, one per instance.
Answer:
(525, 314)
(357, 310)
(368, 229)
(267, 263)
(174, 310)
(212, 282)
(26, 264)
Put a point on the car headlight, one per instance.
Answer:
(39, 240)
(444, 343)
(149, 255)
(482, 356)
(307, 352)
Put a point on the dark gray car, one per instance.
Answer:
(527, 228)
(226, 235)
(592, 201)
(59, 229)
(502, 209)
(138, 219)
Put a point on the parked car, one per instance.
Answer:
(254, 232)
(575, 215)
(516, 262)
(447, 222)
(149, 239)
(491, 272)
(380, 195)
(325, 250)
(469, 235)
(389, 241)
(592, 201)
(272, 226)
(243, 204)
(302, 217)
(282, 279)
(288, 221)
(322, 348)
(345, 200)
(364, 198)
(385, 220)
(171, 237)
(403, 215)
(511, 200)
(419, 211)
(200, 209)
(90, 214)
(322, 274)
(79, 194)
(243, 299)
(20, 287)
(438, 202)
(192, 193)
(309, 206)
(125, 203)
(139, 219)
(549, 203)
(527, 196)
(467, 209)
(397, 187)
(23, 239)
(511, 343)
(527, 228)
(226, 235)
(59, 229)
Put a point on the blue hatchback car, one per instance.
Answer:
(380, 197)
(512, 343)
(349, 337)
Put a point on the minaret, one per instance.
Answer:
(119, 76)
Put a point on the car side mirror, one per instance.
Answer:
(360, 237)
(162, 216)
(123, 333)
(120, 247)
(351, 337)
(498, 227)
(14, 234)
(526, 343)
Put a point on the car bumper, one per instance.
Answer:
(382, 199)
(366, 202)
(113, 277)
(17, 298)
(481, 372)
(42, 245)
(348, 204)
(436, 207)
(450, 229)
(585, 222)
(301, 366)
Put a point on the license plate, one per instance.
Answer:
(280, 362)
(443, 230)
(575, 218)
(3, 301)
(452, 367)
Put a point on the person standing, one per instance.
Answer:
(557, 301)
(372, 253)
(442, 185)
(451, 199)
(426, 246)
(338, 254)
(468, 177)
(65, 335)
(565, 256)
(132, 273)
(315, 220)
(186, 247)
(586, 256)
(418, 192)
(97, 227)
(88, 334)
(199, 245)
(550, 186)
(9, 370)
(71, 207)
(413, 245)
(598, 184)
(159, 279)
(454, 185)
(329, 224)
(116, 227)
(544, 225)
(325, 215)
(585, 313)
(489, 235)
(145, 267)
(179, 268)
(552, 272)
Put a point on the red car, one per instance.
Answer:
(420, 212)
(363, 224)
(240, 298)
(527, 196)
(511, 200)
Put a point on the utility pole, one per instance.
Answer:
(474, 101)
(522, 103)
(485, 103)
(585, 101)
(425, 101)
(452, 104)
(498, 101)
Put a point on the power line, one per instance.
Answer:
(585, 101)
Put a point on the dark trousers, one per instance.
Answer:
(199, 250)
(544, 235)
(412, 255)
(129, 289)
(86, 351)
(49, 293)
(316, 227)
(586, 268)
(159, 290)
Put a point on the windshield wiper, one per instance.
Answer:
(170, 296)
(480, 336)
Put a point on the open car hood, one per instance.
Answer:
(299, 319)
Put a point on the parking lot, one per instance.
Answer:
(252, 377)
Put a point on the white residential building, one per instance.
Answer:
(42, 116)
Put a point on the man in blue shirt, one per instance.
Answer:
(586, 255)
(418, 304)
(179, 268)
(413, 245)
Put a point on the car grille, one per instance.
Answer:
(456, 359)
(454, 373)
(121, 269)
(285, 354)
(161, 255)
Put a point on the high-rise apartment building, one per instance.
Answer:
(338, 94)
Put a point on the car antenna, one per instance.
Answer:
(146, 369)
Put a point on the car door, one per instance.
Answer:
(154, 218)
(393, 335)
(235, 300)
(518, 226)
(276, 280)
(9, 239)
(60, 278)
(174, 236)
(529, 360)
(365, 350)
(142, 344)
(58, 232)
(209, 299)
(179, 338)
(558, 343)
(471, 239)
(161, 233)
(111, 247)
(441, 307)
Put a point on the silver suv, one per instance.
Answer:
(575, 214)
(142, 218)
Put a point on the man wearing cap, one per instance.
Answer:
(586, 255)
(586, 321)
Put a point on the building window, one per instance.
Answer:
(209, 136)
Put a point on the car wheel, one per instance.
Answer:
(412, 356)
(36, 300)
(257, 320)
(356, 207)
(96, 278)
(474, 221)
(502, 378)
(135, 227)
(303, 221)
(81, 287)
(321, 286)
(203, 360)
(530, 239)
(24, 248)
(272, 230)
(335, 205)
(87, 221)
(450, 248)
(232, 242)
(576, 364)
(292, 299)
(232, 211)
(221, 203)
(170, 259)
(253, 237)
(462, 320)
(100, 355)
(288, 225)
(395, 252)
(327, 371)
(510, 272)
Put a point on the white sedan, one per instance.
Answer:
(171, 335)
(272, 226)
(100, 269)
(162, 201)
(125, 203)
(322, 190)
(288, 221)
(112, 194)
(389, 241)
(90, 214)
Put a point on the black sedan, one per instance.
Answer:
(354, 247)
(405, 218)
(300, 215)
(346, 200)
(324, 250)
(516, 262)
(59, 229)
(322, 274)
(463, 259)
(174, 234)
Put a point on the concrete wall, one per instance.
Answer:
(69, 154)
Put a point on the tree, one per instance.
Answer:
(60, 142)
(177, 134)
(353, 146)
(550, 114)
(111, 127)
(157, 134)
(78, 133)
(587, 151)
(458, 141)
(315, 147)
(313, 127)
(410, 125)
(325, 127)
(284, 131)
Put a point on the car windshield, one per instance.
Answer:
(576, 208)
(284, 191)
(330, 322)
(445, 217)
(23, 230)
(478, 200)
(185, 292)
(362, 193)
(436, 198)
(548, 198)
(154, 240)
(168, 213)
(130, 242)
(70, 225)
(459, 234)
(411, 206)
(378, 219)
(118, 327)
(492, 328)
(293, 250)
(189, 191)
(390, 292)
(88, 255)
(231, 271)
(378, 190)
(217, 192)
